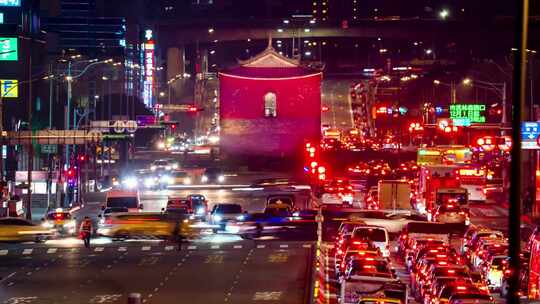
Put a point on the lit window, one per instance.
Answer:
(270, 105)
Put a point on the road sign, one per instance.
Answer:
(53, 137)
(119, 126)
(49, 149)
(131, 126)
(9, 49)
(530, 130)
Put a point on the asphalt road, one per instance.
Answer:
(335, 95)
(239, 272)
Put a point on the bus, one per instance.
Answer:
(474, 180)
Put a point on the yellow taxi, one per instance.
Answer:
(14, 229)
(379, 301)
(160, 225)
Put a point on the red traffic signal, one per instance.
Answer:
(173, 126)
(193, 109)
(70, 173)
(82, 158)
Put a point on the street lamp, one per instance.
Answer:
(467, 81)
(444, 14)
(498, 87)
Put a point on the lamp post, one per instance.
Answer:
(452, 87)
(498, 88)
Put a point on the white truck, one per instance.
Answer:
(394, 194)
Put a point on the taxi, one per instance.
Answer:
(61, 221)
(379, 301)
(14, 229)
(150, 224)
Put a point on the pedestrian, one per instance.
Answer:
(85, 231)
(177, 234)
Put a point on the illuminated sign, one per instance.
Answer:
(471, 112)
(472, 172)
(12, 3)
(9, 88)
(1, 18)
(8, 49)
(148, 89)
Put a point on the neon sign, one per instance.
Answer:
(465, 114)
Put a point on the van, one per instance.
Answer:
(120, 198)
(377, 235)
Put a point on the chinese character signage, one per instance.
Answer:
(148, 90)
(467, 113)
(9, 88)
(12, 3)
(8, 49)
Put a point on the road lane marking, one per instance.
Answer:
(7, 277)
(214, 259)
(51, 250)
(146, 248)
(261, 246)
(214, 247)
(169, 248)
(108, 298)
(283, 246)
(191, 247)
(280, 257)
(267, 296)
(237, 246)
(99, 249)
(21, 300)
(122, 249)
(306, 245)
(151, 260)
(27, 251)
(4, 252)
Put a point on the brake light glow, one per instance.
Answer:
(451, 271)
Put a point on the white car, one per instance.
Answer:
(377, 235)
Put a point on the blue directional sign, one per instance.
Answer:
(530, 130)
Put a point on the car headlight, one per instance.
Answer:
(217, 217)
(47, 225)
(130, 182)
(200, 211)
(168, 167)
(153, 168)
(204, 179)
(149, 182)
(175, 166)
(221, 178)
(165, 179)
(187, 181)
(116, 183)
(161, 145)
(241, 217)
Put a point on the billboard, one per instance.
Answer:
(11, 3)
(8, 49)
(9, 88)
(148, 90)
(465, 114)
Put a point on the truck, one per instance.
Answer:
(431, 182)
(394, 194)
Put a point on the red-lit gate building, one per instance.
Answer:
(269, 106)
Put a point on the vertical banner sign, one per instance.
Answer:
(149, 73)
(8, 49)
(9, 88)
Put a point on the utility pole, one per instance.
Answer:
(31, 145)
(514, 216)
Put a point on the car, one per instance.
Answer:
(222, 213)
(454, 288)
(148, 224)
(471, 298)
(14, 229)
(199, 205)
(369, 267)
(61, 221)
(377, 235)
(178, 178)
(163, 165)
(110, 210)
(213, 175)
(451, 214)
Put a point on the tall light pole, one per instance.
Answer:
(498, 88)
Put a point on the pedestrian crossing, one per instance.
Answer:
(98, 249)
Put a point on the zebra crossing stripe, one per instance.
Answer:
(4, 252)
(214, 247)
(27, 251)
(99, 249)
(261, 246)
(306, 246)
(146, 248)
(283, 246)
(191, 247)
(122, 249)
(169, 248)
(51, 250)
(237, 246)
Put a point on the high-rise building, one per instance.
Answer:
(80, 27)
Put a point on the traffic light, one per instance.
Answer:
(193, 109)
(82, 158)
(173, 127)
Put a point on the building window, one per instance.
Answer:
(270, 105)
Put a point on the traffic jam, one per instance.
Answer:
(408, 231)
